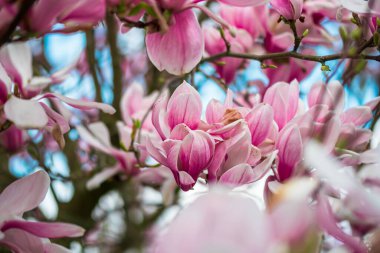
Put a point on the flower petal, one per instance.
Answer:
(24, 194)
(80, 104)
(25, 113)
(180, 48)
(45, 229)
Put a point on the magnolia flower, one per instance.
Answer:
(135, 106)
(21, 235)
(25, 108)
(179, 48)
(97, 135)
(185, 150)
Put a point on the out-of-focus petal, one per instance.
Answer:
(45, 229)
(24, 194)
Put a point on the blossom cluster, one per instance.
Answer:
(121, 138)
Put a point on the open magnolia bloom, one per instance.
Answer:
(23, 236)
(178, 48)
(23, 94)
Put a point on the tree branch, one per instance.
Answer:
(291, 54)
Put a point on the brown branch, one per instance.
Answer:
(112, 33)
(291, 54)
(92, 63)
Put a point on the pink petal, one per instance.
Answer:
(16, 59)
(217, 161)
(55, 248)
(357, 115)
(56, 119)
(196, 152)
(101, 177)
(260, 121)
(184, 106)
(25, 113)
(45, 229)
(22, 242)
(131, 101)
(214, 111)
(238, 175)
(331, 95)
(327, 222)
(96, 135)
(289, 145)
(260, 170)
(160, 118)
(284, 98)
(153, 148)
(186, 182)
(24, 194)
(180, 48)
(80, 104)
(5, 85)
(290, 9)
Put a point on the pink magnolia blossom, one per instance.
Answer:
(289, 9)
(183, 149)
(98, 136)
(134, 105)
(21, 235)
(180, 48)
(26, 110)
